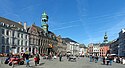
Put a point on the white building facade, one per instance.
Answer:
(13, 36)
(73, 48)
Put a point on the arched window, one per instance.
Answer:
(3, 31)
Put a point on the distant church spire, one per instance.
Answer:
(105, 38)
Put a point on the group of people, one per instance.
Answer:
(119, 60)
(107, 60)
(93, 58)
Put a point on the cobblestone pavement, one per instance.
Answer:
(55, 63)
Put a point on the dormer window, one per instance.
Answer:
(3, 24)
(7, 25)
(22, 30)
(2, 31)
(12, 25)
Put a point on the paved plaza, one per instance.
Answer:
(55, 63)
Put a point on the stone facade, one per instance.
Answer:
(121, 46)
(16, 38)
(13, 35)
(114, 47)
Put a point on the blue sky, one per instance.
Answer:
(84, 21)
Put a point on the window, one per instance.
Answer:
(18, 42)
(26, 43)
(22, 42)
(3, 40)
(7, 32)
(21, 35)
(2, 31)
(7, 49)
(3, 49)
(25, 36)
(7, 41)
(18, 35)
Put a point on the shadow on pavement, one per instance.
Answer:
(41, 64)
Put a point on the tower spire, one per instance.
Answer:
(44, 21)
(105, 38)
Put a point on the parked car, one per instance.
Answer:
(72, 58)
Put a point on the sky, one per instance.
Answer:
(84, 21)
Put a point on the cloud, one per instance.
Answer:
(65, 27)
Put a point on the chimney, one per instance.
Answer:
(20, 23)
(25, 25)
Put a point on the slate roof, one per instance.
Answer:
(10, 22)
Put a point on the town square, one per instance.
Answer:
(62, 34)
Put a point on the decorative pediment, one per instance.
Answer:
(33, 30)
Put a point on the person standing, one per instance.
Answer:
(110, 60)
(27, 60)
(90, 58)
(96, 59)
(123, 60)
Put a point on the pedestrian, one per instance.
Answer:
(35, 60)
(27, 60)
(60, 57)
(123, 60)
(110, 60)
(90, 58)
(103, 59)
(96, 59)
(38, 58)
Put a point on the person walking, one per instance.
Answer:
(60, 57)
(27, 60)
(38, 58)
(108, 60)
(103, 60)
(96, 59)
(35, 60)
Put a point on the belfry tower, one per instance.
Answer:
(105, 38)
(44, 21)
